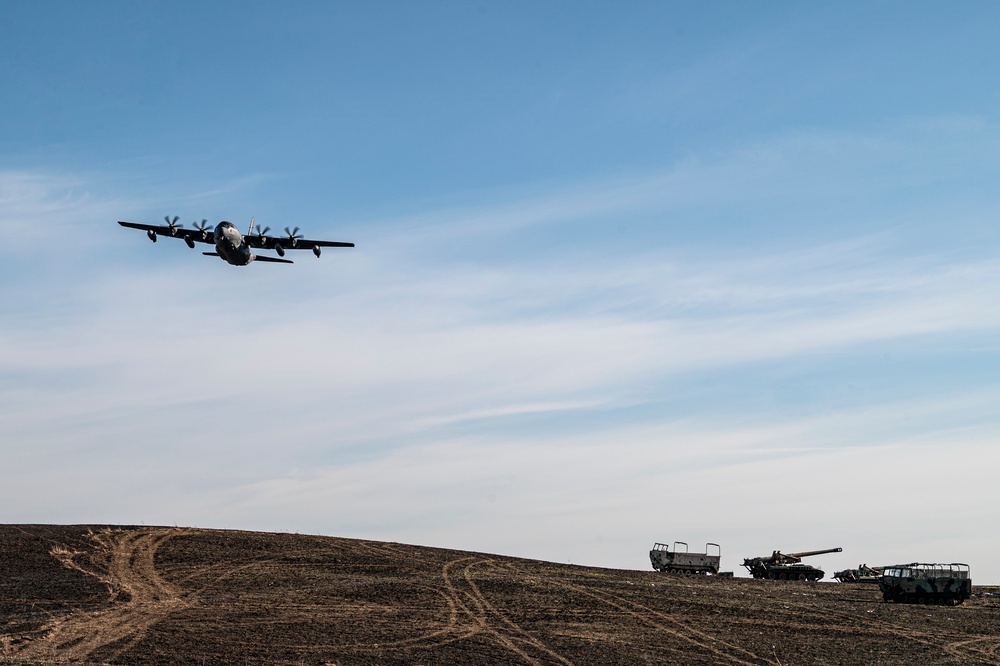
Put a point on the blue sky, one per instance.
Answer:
(710, 273)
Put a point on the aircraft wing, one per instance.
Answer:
(177, 232)
(267, 242)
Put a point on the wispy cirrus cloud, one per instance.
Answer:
(438, 365)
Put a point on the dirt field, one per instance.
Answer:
(126, 595)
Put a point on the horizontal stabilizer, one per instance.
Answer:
(210, 254)
(273, 260)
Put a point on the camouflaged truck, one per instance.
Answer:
(677, 561)
(922, 583)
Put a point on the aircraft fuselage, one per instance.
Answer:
(230, 246)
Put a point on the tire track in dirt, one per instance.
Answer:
(432, 639)
(426, 637)
(483, 618)
(968, 648)
(122, 560)
(982, 649)
(453, 629)
(721, 649)
(471, 614)
(512, 632)
(395, 554)
(854, 624)
(794, 612)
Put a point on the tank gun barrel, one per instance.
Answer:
(807, 553)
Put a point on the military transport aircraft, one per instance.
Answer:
(231, 245)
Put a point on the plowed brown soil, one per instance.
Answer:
(128, 595)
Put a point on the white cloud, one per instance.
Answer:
(552, 498)
(378, 392)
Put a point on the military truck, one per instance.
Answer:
(677, 561)
(786, 566)
(924, 583)
(863, 574)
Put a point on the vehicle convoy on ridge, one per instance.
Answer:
(786, 566)
(676, 561)
(923, 583)
(863, 574)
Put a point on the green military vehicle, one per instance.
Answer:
(863, 574)
(923, 583)
(786, 566)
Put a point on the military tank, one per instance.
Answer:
(863, 574)
(786, 566)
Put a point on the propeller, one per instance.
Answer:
(203, 228)
(293, 236)
(262, 236)
(172, 224)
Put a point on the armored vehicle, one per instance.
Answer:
(863, 574)
(922, 583)
(677, 561)
(786, 566)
